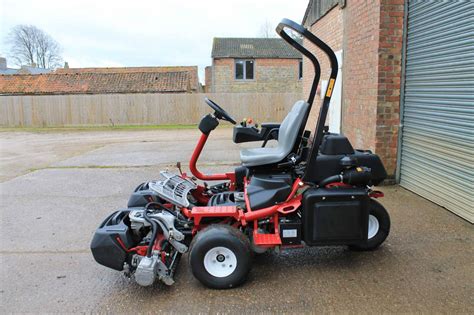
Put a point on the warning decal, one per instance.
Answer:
(330, 87)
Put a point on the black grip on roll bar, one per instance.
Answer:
(286, 23)
(280, 29)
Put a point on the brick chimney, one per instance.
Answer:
(66, 65)
(3, 63)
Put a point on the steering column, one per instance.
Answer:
(207, 124)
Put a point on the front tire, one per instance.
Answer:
(378, 228)
(220, 257)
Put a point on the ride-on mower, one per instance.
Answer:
(308, 190)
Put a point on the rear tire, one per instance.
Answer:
(220, 257)
(379, 228)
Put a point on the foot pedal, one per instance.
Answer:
(266, 239)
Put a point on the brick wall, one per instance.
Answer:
(330, 30)
(208, 79)
(271, 75)
(359, 109)
(370, 34)
(389, 77)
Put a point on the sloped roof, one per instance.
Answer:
(253, 48)
(9, 71)
(95, 83)
(24, 70)
(191, 70)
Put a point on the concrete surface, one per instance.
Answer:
(49, 215)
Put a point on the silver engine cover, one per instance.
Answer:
(149, 268)
(146, 271)
(173, 188)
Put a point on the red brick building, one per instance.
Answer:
(406, 88)
(207, 79)
(254, 65)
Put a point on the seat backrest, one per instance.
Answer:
(290, 126)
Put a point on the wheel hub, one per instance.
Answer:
(373, 226)
(220, 262)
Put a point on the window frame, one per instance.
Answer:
(300, 70)
(244, 77)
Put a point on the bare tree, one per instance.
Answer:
(31, 46)
(267, 30)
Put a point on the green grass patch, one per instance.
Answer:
(161, 165)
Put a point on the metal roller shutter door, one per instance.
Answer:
(437, 147)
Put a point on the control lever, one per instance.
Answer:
(293, 160)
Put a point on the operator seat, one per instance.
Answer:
(287, 135)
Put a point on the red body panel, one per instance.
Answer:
(197, 173)
(266, 239)
(219, 211)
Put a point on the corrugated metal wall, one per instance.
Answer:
(437, 157)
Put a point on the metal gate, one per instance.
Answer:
(437, 142)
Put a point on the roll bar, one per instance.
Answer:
(319, 131)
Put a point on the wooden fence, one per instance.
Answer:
(137, 109)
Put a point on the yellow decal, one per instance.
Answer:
(330, 87)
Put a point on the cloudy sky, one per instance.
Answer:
(112, 33)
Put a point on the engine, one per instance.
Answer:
(162, 260)
(124, 240)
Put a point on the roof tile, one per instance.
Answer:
(95, 83)
(192, 71)
(253, 48)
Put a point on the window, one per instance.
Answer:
(300, 70)
(244, 69)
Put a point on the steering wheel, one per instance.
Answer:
(219, 112)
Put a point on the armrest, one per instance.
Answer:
(246, 134)
(270, 125)
(267, 132)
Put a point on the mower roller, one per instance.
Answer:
(307, 190)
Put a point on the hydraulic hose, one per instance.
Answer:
(154, 229)
(156, 224)
(357, 176)
(331, 179)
